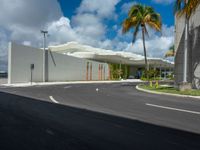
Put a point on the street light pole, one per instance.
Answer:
(44, 54)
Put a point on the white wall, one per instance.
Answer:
(19, 60)
(193, 72)
(63, 68)
(180, 25)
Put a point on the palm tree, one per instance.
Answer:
(139, 17)
(170, 52)
(186, 7)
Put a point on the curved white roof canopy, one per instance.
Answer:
(84, 51)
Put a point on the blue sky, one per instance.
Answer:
(112, 38)
(92, 22)
(165, 9)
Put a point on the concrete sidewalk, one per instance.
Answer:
(70, 82)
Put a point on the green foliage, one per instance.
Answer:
(156, 84)
(150, 83)
(183, 7)
(139, 18)
(116, 72)
(170, 52)
(171, 89)
(150, 75)
(170, 76)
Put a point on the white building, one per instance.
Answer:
(70, 62)
(108, 56)
(193, 63)
(25, 64)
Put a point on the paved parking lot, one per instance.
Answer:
(97, 116)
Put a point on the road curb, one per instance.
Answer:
(168, 94)
(69, 82)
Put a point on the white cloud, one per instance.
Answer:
(163, 1)
(25, 18)
(22, 20)
(156, 45)
(115, 27)
(89, 25)
(102, 8)
(60, 31)
(126, 7)
(27, 43)
(29, 13)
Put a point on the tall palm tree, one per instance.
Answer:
(186, 7)
(139, 17)
(170, 52)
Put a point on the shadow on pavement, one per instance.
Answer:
(29, 124)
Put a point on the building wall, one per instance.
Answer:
(193, 74)
(60, 67)
(19, 60)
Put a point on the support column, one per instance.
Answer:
(160, 72)
(87, 71)
(90, 71)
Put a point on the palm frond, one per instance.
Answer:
(154, 21)
(134, 10)
(185, 7)
(140, 16)
(170, 52)
(191, 7)
(126, 25)
(155, 25)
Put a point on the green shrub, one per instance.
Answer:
(150, 75)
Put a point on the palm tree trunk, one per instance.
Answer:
(145, 53)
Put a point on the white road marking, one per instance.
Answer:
(67, 87)
(53, 100)
(176, 109)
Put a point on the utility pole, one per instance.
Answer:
(44, 54)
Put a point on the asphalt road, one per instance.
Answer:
(96, 116)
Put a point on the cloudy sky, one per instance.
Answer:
(93, 22)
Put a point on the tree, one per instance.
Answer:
(170, 52)
(186, 7)
(139, 17)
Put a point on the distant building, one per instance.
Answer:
(76, 62)
(3, 74)
(193, 73)
(135, 62)
(25, 64)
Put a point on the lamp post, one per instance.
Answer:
(44, 54)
